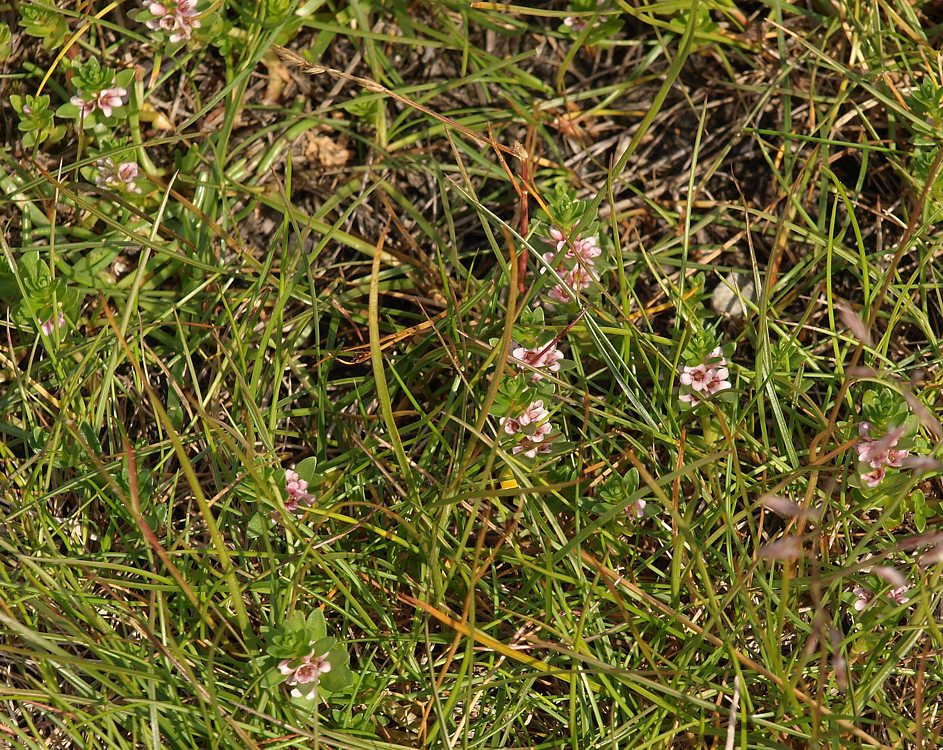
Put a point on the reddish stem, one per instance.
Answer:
(522, 258)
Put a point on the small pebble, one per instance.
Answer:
(725, 299)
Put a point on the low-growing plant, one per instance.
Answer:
(36, 120)
(309, 661)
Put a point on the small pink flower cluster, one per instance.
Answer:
(705, 379)
(578, 270)
(542, 357)
(297, 489)
(305, 671)
(124, 175)
(864, 597)
(877, 454)
(106, 100)
(178, 18)
(534, 425)
(56, 321)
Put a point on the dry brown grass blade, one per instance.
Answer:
(390, 340)
(486, 640)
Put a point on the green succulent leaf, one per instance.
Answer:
(316, 625)
(307, 470)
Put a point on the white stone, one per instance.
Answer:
(727, 296)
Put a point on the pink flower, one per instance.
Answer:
(122, 176)
(85, 108)
(108, 99)
(545, 357)
(511, 426)
(541, 432)
(875, 459)
(874, 477)
(168, 23)
(582, 277)
(531, 448)
(184, 29)
(899, 595)
(585, 249)
(559, 294)
(107, 175)
(536, 419)
(716, 360)
(305, 671)
(56, 321)
(638, 508)
(870, 452)
(578, 278)
(178, 18)
(533, 414)
(895, 458)
(705, 379)
(697, 377)
(879, 453)
(579, 270)
(862, 598)
(127, 172)
(718, 381)
(297, 489)
(187, 9)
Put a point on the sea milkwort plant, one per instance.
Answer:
(617, 492)
(36, 120)
(571, 244)
(525, 427)
(527, 394)
(705, 374)
(115, 168)
(43, 303)
(888, 438)
(174, 19)
(101, 95)
(48, 24)
(536, 351)
(926, 101)
(296, 488)
(303, 657)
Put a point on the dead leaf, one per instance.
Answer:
(326, 150)
(278, 76)
(158, 120)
